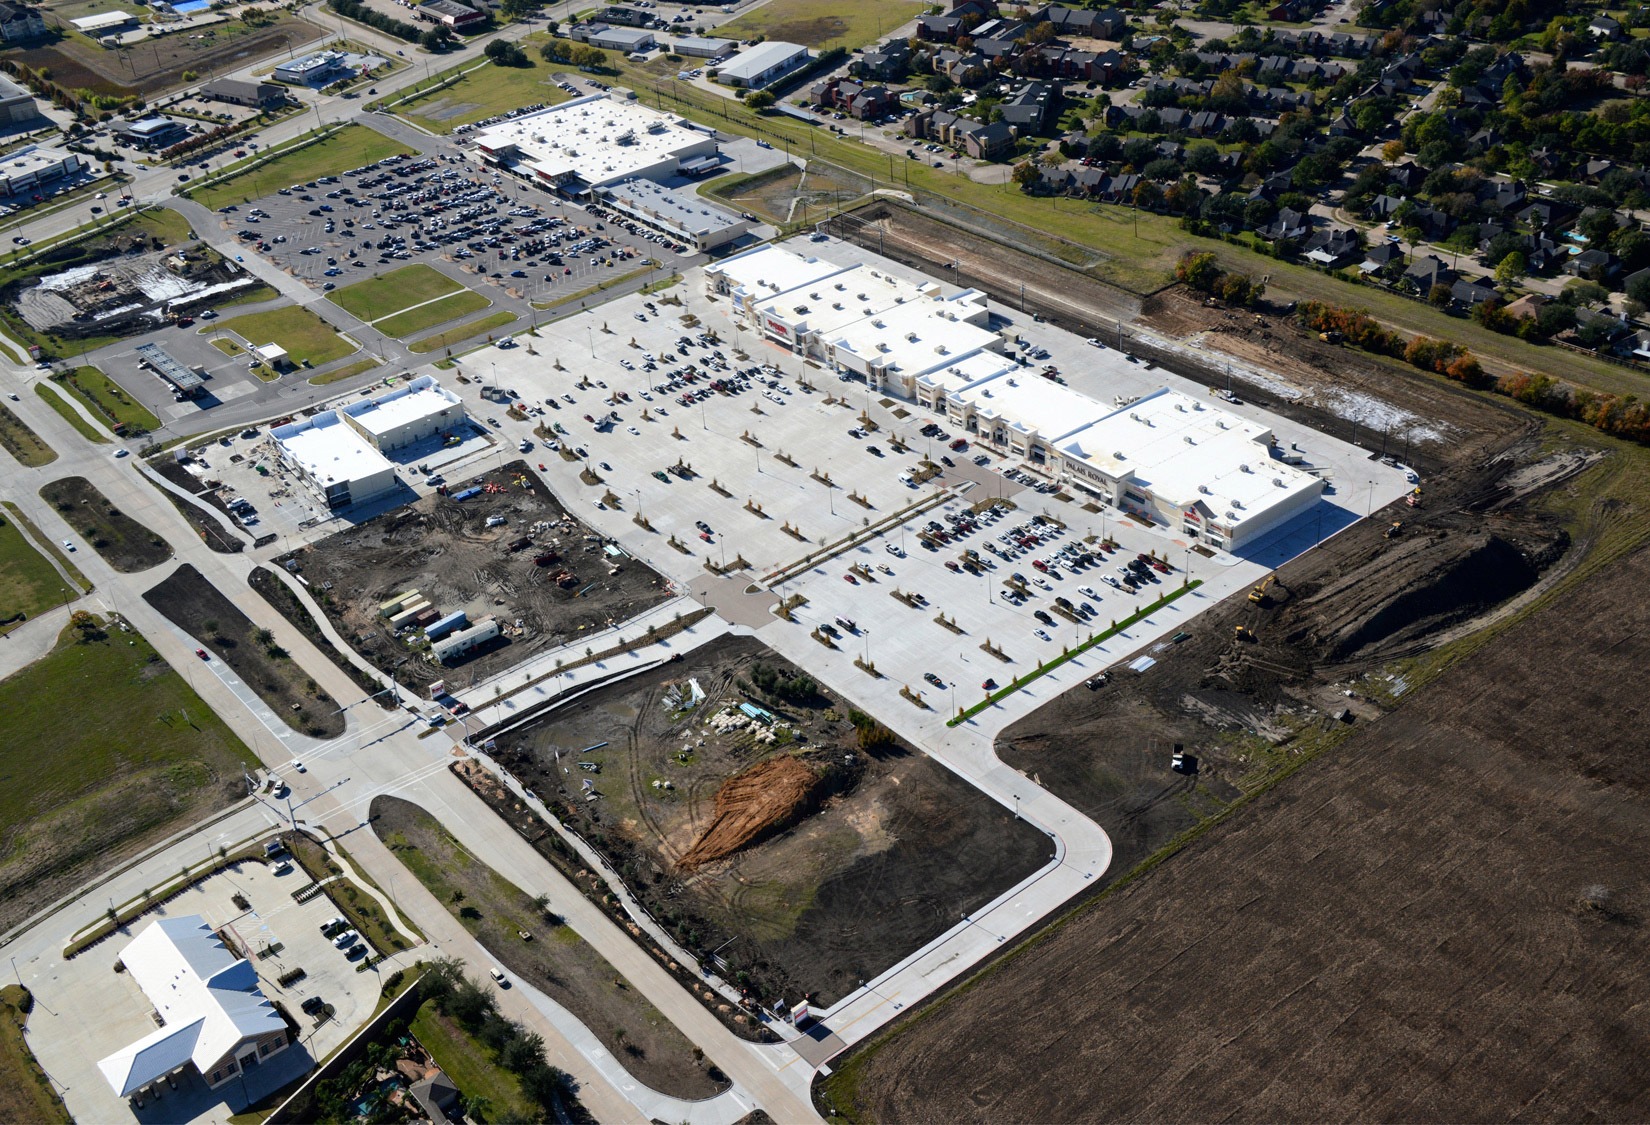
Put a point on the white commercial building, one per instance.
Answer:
(1200, 470)
(854, 319)
(27, 168)
(334, 460)
(421, 409)
(318, 69)
(763, 65)
(1168, 457)
(213, 1017)
(16, 103)
(103, 23)
(678, 214)
(592, 142)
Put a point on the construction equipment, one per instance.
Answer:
(1393, 530)
(1244, 633)
(1258, 595)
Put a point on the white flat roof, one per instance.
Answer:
(330, 451)
(760, 59)
(956, 375)
(419, 399)
(1027, 402)
(914, 337)
(685, 212)
(600, 138)
(771, 271)
(102, 20)
(1186, 451)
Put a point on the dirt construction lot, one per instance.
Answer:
(444, 549)
(1441, 920)
(814, 850)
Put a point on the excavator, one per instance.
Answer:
(1244, 633)
(1259, 595)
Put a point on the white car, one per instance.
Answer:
(633, 430)
(1087, 592)
(121, 453)
(498, 977)
(298, 766)
(68, 544)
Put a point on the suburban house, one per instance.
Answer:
(213, 1017)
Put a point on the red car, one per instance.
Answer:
(201, 652)
(989, 685)
(849, 578)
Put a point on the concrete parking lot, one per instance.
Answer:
(444, 211)
(775, 512)
(69, 1044)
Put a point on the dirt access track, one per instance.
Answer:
(868, 851)
(444, 549)
(1441, 919)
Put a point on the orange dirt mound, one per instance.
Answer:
(767, 798)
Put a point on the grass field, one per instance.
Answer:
(472, 1065)
(105, 398)
(387, 294)
(350, 147)
(439, 311)
(458, 335)
(849, 23)
(348, 371)
(26, 1094)
(141, 755)
(303, 334)
(486, 92)
(29, 584)
(22, 442)
(64, 562)
(70, 415)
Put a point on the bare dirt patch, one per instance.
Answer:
(806, 886)
(1442, 919)
(444, 549)
(124, 543)
(763, 800)
(194, 605)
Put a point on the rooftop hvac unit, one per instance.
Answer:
(1279, 482)
(1245, 469)
(911, 336)
(1134, 416)
(841, 287)
(1188, 440)
(1180, 406)
(1203, 488)
(1237, 504)
(876, 323)
(836, 305)
(863, 297)
(942, 349)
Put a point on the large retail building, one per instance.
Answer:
(1169, 457)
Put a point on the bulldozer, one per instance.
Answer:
(1393, 530)
(1244, 633)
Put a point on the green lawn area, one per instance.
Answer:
(22, 442)
(486, 92)
(463, 332)
(471, 1065)
(348, 371)
(29, 584)
(378, 297)
(105, 398)
(848, 23)
(140, 755)
(64, 562)
(26, 1094)
(303, 334)
(436, 312)
(350, 147)
(70, 415)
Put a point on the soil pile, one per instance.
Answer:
(751, 806)
(1442, 577)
